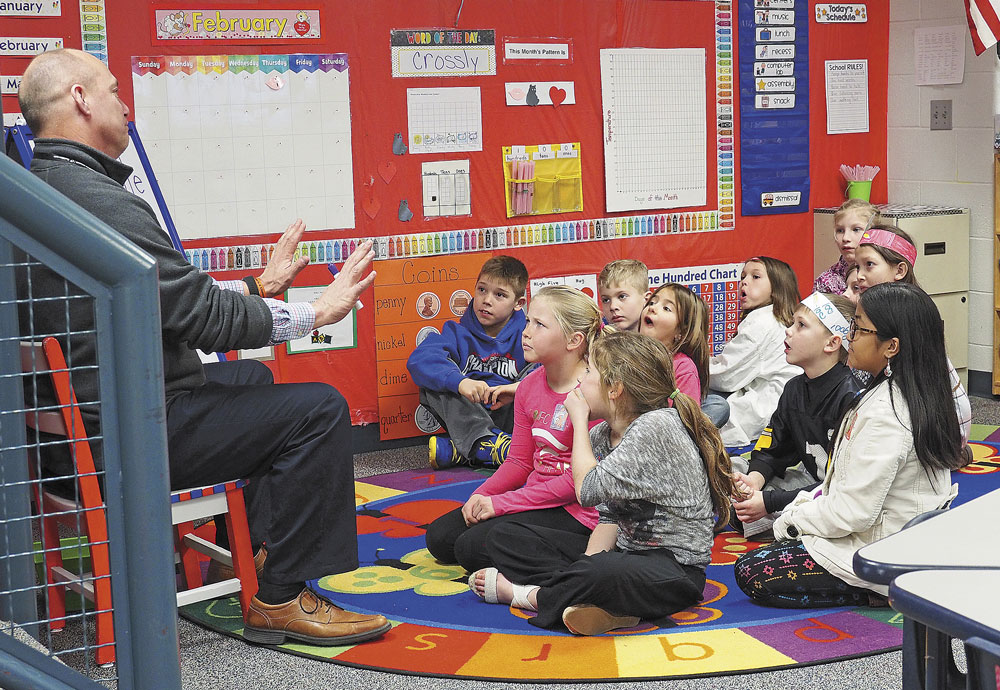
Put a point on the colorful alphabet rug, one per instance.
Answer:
(443, 629)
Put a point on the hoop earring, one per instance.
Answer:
(888, 368)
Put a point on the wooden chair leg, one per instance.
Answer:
(240, 548)
(53, 558)
(189, 557)
(100, 565)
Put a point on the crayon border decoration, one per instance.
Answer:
(93, 29)
(725, 139)
(235, 257)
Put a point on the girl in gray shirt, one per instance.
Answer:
(660, 478)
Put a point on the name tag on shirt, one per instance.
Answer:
(559, 418)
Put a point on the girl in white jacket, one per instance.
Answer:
(751, 368)
(892, 460)
(887, 254)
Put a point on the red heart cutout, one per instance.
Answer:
(371, 206)
(387, 171)
(557, 95)
(301, 28)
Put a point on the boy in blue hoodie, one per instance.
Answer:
(468, 374)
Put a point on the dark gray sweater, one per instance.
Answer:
(194, 312)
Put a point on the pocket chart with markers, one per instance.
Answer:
(544, 178)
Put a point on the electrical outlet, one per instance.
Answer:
(941, 114)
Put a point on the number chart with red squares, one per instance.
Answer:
(719, 286)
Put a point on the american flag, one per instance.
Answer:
(984, 23)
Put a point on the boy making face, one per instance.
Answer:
(623, 287)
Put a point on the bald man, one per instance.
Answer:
(224, 420)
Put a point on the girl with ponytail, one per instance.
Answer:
(660, 478)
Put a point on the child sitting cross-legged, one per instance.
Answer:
(891, 460)
(535, 485)
(808, 410)
(468, 373)
(659, 476)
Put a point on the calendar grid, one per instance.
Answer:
(243, 144)
(655, 143)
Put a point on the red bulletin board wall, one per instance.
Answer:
(378, 110)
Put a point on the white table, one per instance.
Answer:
(961, 604)
(963, 537)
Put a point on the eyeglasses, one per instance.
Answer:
(853, 328)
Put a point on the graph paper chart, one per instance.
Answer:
(445, 119)
(244, 144)
(723, 302)
(655, 150)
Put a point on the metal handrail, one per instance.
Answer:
(123, 281)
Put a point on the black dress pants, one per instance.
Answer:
(294, 443)
(449, 540)
(648, 584)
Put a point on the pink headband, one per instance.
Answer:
(890, 240)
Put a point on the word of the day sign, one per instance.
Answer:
(443, 52)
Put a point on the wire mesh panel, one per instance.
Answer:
(86, 560)
(65, 471)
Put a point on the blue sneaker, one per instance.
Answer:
(443, 453)
(491, 451)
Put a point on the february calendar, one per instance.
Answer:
(244, 144)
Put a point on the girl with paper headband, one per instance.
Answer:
(792, 452)
(888, 255)
(891, 461)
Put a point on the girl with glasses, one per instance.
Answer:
(892, 459)
(888, 255)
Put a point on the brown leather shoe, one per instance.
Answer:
(218, 571)
(310, 619)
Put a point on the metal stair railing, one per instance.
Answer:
(121, 280)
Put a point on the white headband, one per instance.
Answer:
(828, 315)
